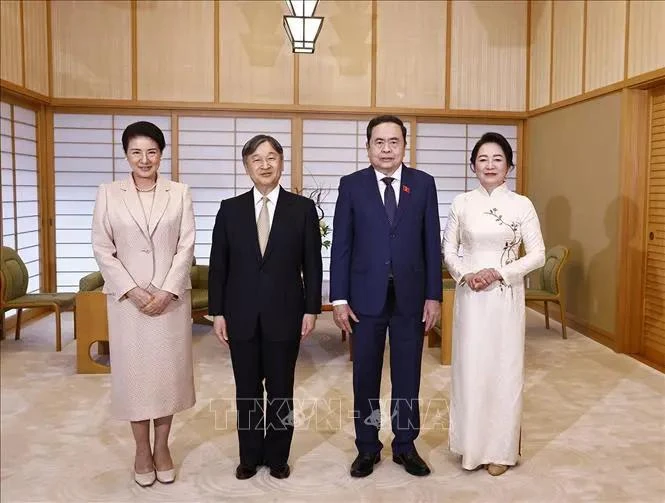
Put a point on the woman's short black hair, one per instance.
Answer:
(251, 146)
(500, 140)
(143, 128)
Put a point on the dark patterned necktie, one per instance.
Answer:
(389, 200)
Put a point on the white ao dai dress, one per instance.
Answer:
(485, 231)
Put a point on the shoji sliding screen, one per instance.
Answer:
(88, 152)
(20, 187)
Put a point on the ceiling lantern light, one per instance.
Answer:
(302, 26)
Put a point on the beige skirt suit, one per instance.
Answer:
(147, 241)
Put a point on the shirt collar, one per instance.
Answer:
(397, 176)
(272, 195)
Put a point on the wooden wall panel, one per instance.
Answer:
(175, 50)
(633, 200)
(488, 55)
(605, 43)
(541, 53)
(585, 221)
(653, 338)
(92, 49)
(339, 72)
(35, 38)
(567, 49)
(411, 53)
(646, 36)
(256, 62)
(11, 55)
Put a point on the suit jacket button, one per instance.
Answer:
(387, 262)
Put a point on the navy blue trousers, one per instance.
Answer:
(406, 334)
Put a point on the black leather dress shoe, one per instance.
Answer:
(245, 472)
(280, 472)
(412, 463)
(364, 463)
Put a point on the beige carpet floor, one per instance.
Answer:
(593, 429)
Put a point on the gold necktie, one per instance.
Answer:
(263, 225)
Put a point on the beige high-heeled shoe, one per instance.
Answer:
(145, 479)
(496, 470)
(166, 476)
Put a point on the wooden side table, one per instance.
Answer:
(442, 334)
(92, 327)
(447, 326)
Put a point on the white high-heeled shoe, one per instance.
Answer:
(166, 476)
(145, 479)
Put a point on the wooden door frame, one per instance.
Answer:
(633, 178)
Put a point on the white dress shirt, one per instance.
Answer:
(397, 176)
(272, 196)
(397, 182)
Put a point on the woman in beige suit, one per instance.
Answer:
(143, 239)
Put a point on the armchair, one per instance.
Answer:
(550, 285)
(13, 287)
(199, 277)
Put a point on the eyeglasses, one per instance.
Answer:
(260, 161)
(138, 154)
(392, 144)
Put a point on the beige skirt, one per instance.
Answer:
(151, 360)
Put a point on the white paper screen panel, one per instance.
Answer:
(20, 188)
(7, 176)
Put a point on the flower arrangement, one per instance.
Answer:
(325, 230)
(318, 195)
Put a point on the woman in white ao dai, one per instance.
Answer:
(481, 248)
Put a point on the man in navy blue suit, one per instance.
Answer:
(386, 274)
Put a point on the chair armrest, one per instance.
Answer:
(91, 282)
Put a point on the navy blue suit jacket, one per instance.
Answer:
(365, 247)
